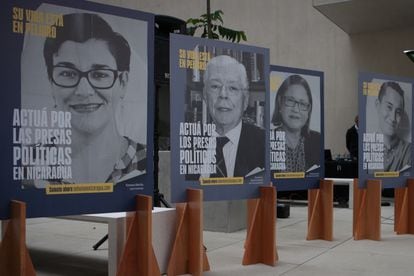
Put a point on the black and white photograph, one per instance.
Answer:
(219, 114)
(295, 122)
(388, 127)
(79, 115)
(228, 97)
(89, 80)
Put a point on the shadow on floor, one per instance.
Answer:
(47, 262)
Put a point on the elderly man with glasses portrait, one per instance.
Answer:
(240, 148)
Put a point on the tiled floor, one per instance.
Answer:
(64, 247)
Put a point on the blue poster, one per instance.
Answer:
(385, 129)
(296, 128)
(77, 108)
(219, 102)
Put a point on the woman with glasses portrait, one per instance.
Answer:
(293, 109)
(88, 66)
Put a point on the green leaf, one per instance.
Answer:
(192, 21)
(191, 30)
(217, 28)
(217, 16)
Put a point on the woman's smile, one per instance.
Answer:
(85, 108)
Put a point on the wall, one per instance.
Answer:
(299, 36)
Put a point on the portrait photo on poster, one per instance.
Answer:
(227, 102)
(84, 89)
(388, 131)
(295, 124)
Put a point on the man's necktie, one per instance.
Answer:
(221, 170)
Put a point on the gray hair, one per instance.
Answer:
(227, 60)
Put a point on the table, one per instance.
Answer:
(163, 233)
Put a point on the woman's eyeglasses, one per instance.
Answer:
(291, 102)
(69, 77)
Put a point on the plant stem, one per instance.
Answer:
(208, 20)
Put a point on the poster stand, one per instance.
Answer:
(404, 209)
(320, 212)
(367, 211)
(260, 245)
(14, 256)
(188, 255)
(138, 257)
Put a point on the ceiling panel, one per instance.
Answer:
(361, 16)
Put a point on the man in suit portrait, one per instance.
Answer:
(240, 150)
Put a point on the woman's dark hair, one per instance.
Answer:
(393, 85)
(80, 27)
(281, 92)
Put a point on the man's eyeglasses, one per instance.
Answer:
(69, 77)
(291, 102)
(232, 89)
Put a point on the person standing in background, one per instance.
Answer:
(352, 140)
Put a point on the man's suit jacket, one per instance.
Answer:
(250, 151)
(312, 149)
(352, 142)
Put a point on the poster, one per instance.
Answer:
(219, 102)
(296, 128)
(77, 113)
(385, 131)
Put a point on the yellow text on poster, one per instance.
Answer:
(370, 88)
(221, 181)
(289, 175)
(37, 23)
(193, 59)
(387, 174)
(275, 82)
(80, 188)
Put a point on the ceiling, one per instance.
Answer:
(362, 16)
